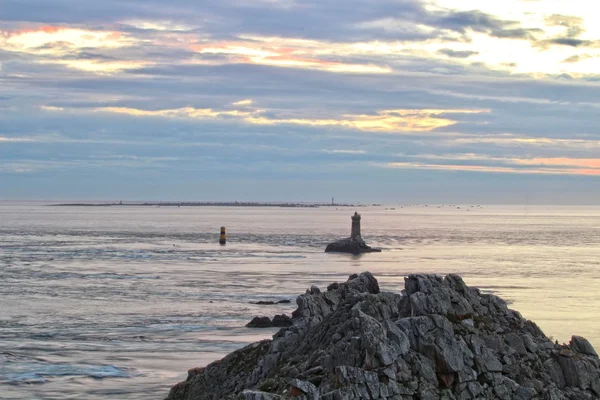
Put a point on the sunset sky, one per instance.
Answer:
(471, 101)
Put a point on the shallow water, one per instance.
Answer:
(117, 303)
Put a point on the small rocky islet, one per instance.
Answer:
(353, 244)
(437, 339)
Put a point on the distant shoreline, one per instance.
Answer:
(205, 204)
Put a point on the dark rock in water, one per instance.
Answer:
(269, 302)
(439, 339)
(349, 245)
(281, 321)
(260, 322)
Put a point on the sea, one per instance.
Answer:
(119, 302)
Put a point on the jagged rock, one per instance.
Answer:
(260, 322)
(305, 388)
(439, 339)
(581, 345)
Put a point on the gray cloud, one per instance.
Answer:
(569, 42)
(457, 54)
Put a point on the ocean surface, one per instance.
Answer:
(119, 302)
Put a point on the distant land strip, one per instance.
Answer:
(206, 204)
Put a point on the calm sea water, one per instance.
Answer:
(117, 303)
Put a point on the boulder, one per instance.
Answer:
(581, 345)
(437, 339)
(260, 322)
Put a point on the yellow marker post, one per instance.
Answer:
(223, 238)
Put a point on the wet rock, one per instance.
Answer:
(270, 302)
(439, 339)
(260, 322)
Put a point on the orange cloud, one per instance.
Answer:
(41, 40)
(593, 163)
(546, 166)
(290, 53)
(52, 43)
(385, 121)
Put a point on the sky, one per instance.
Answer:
(395, 101)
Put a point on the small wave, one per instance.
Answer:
(40, 373)
(119, 276)
(75, 275)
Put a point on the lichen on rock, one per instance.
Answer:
(437, 339)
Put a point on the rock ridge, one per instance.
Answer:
(437, 339)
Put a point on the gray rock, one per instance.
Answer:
(282, 320)
(582, 345)
(516, 342)
(310, 390)
(580, 372)
(256, 395)
(439, 339)
(523, 393)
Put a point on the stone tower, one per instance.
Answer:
(355, 234)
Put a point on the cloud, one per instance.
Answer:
(340, 151)
(569, 42)
(246, 102)
(573, 25)
(14, 139)
(457, 53)
(486, 164)
(387, 121)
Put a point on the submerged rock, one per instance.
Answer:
(438, 339)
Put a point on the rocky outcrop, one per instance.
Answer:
(350, 245)
(260, 322)
(438, 339)
(270, 302)
(279, 321)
